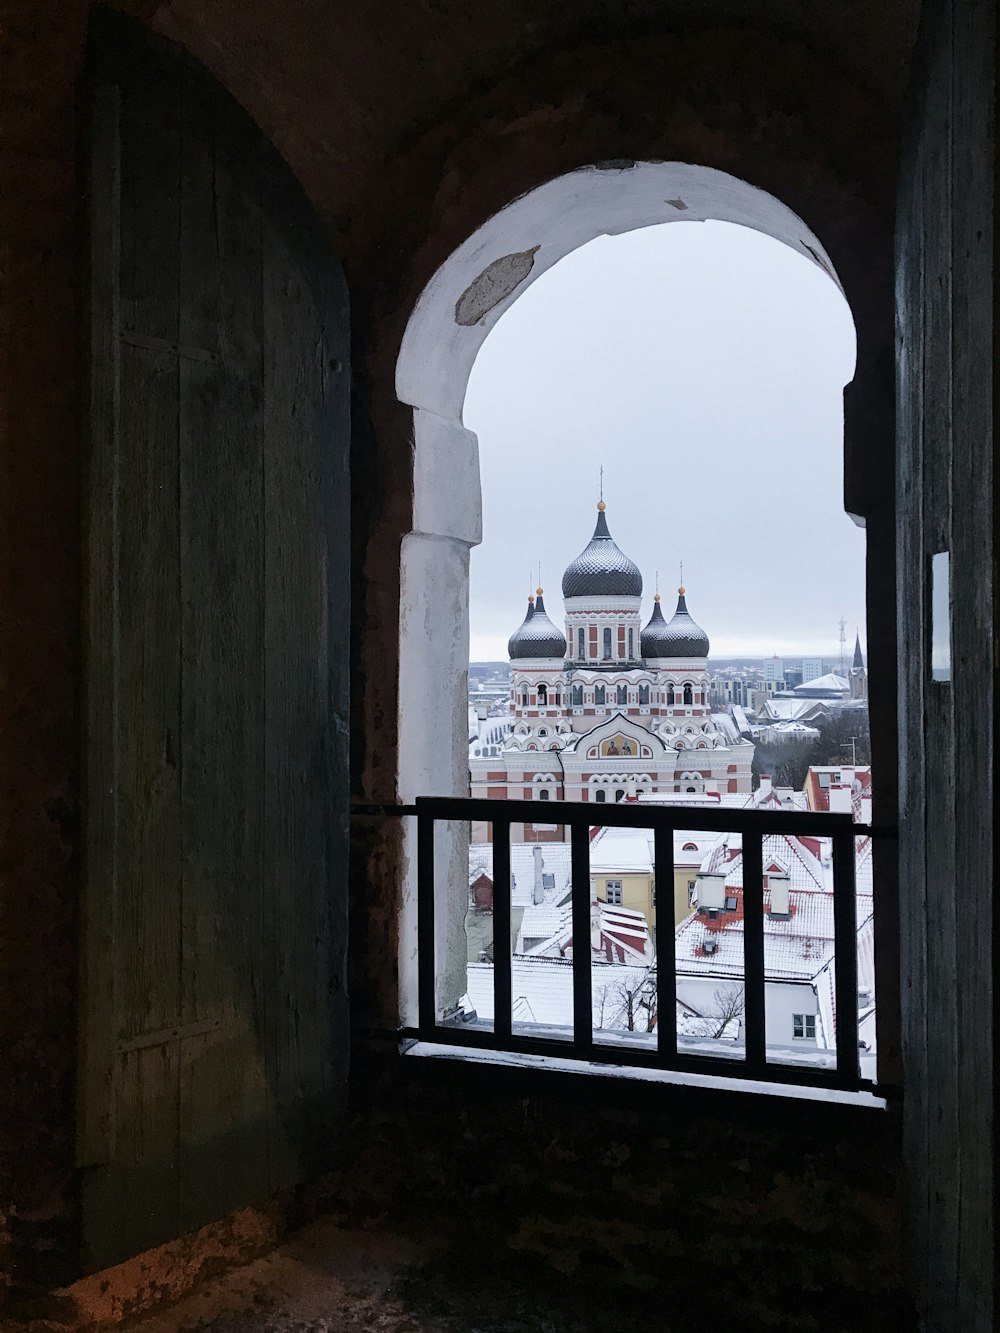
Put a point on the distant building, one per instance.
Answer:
(812, 667)
(840, 788)
(608, 706)
(799, 956)
(774, 670)
(858, 674)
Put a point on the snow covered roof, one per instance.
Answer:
(828, 684)
(542, 989)
(556, 861)
(624, 850)
(821, 777)
(622, 936)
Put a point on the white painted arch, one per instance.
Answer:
(452, 319)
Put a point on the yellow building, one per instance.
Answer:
(621, 869)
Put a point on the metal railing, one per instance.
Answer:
(664, 821)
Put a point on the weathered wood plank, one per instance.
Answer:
(219, 678)
(307, 636)
(223, 1115)
(910, 282)
(946, 503)
(99, 880)
(974, 381)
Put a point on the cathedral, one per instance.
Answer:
(606, 706)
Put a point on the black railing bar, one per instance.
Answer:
(610, 1053)
(634, 815)
(753, 953)
(876, 831)
(366, 810)
(426, 943)
(502, 949)
(664, 944)
(845, 946)
(583, 1013)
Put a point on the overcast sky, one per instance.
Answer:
(703, 365)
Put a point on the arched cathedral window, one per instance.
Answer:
(688, 695)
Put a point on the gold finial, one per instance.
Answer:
(656, 598)
(680, 590)
(601, 506)
(538, 592)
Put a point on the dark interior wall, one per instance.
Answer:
(409, 125)
(948, 375)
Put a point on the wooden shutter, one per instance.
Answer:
(214, 1008)
(946, 374)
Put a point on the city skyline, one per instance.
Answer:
(702, 367)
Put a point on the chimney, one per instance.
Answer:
(778, 885)
(595, 926)
(711, 890)
(841, 801)
(764, 785)
(537, 887)
(866, 809)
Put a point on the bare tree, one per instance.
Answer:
(628, 1002)
(728, 1003)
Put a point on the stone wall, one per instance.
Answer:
(409, 124)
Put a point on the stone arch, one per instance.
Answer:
(451, 320)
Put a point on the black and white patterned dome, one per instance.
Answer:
(602, 570)
(654, 640)
(536, 636)
(681, 637)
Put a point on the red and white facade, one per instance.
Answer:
(610, 707)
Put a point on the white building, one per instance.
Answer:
(607, 705)
(799, 958)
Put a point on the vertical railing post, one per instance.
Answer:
(845, 943)
(753, 952)
(426, 969)
(501, 930)
(583, 1012)
(663, 937)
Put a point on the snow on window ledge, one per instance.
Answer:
(427, 1050)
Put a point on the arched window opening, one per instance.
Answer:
(543, 696)
(741, 599)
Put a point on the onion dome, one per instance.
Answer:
(681, 637)
(654, 640)
(536, 636)
(602, 570)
